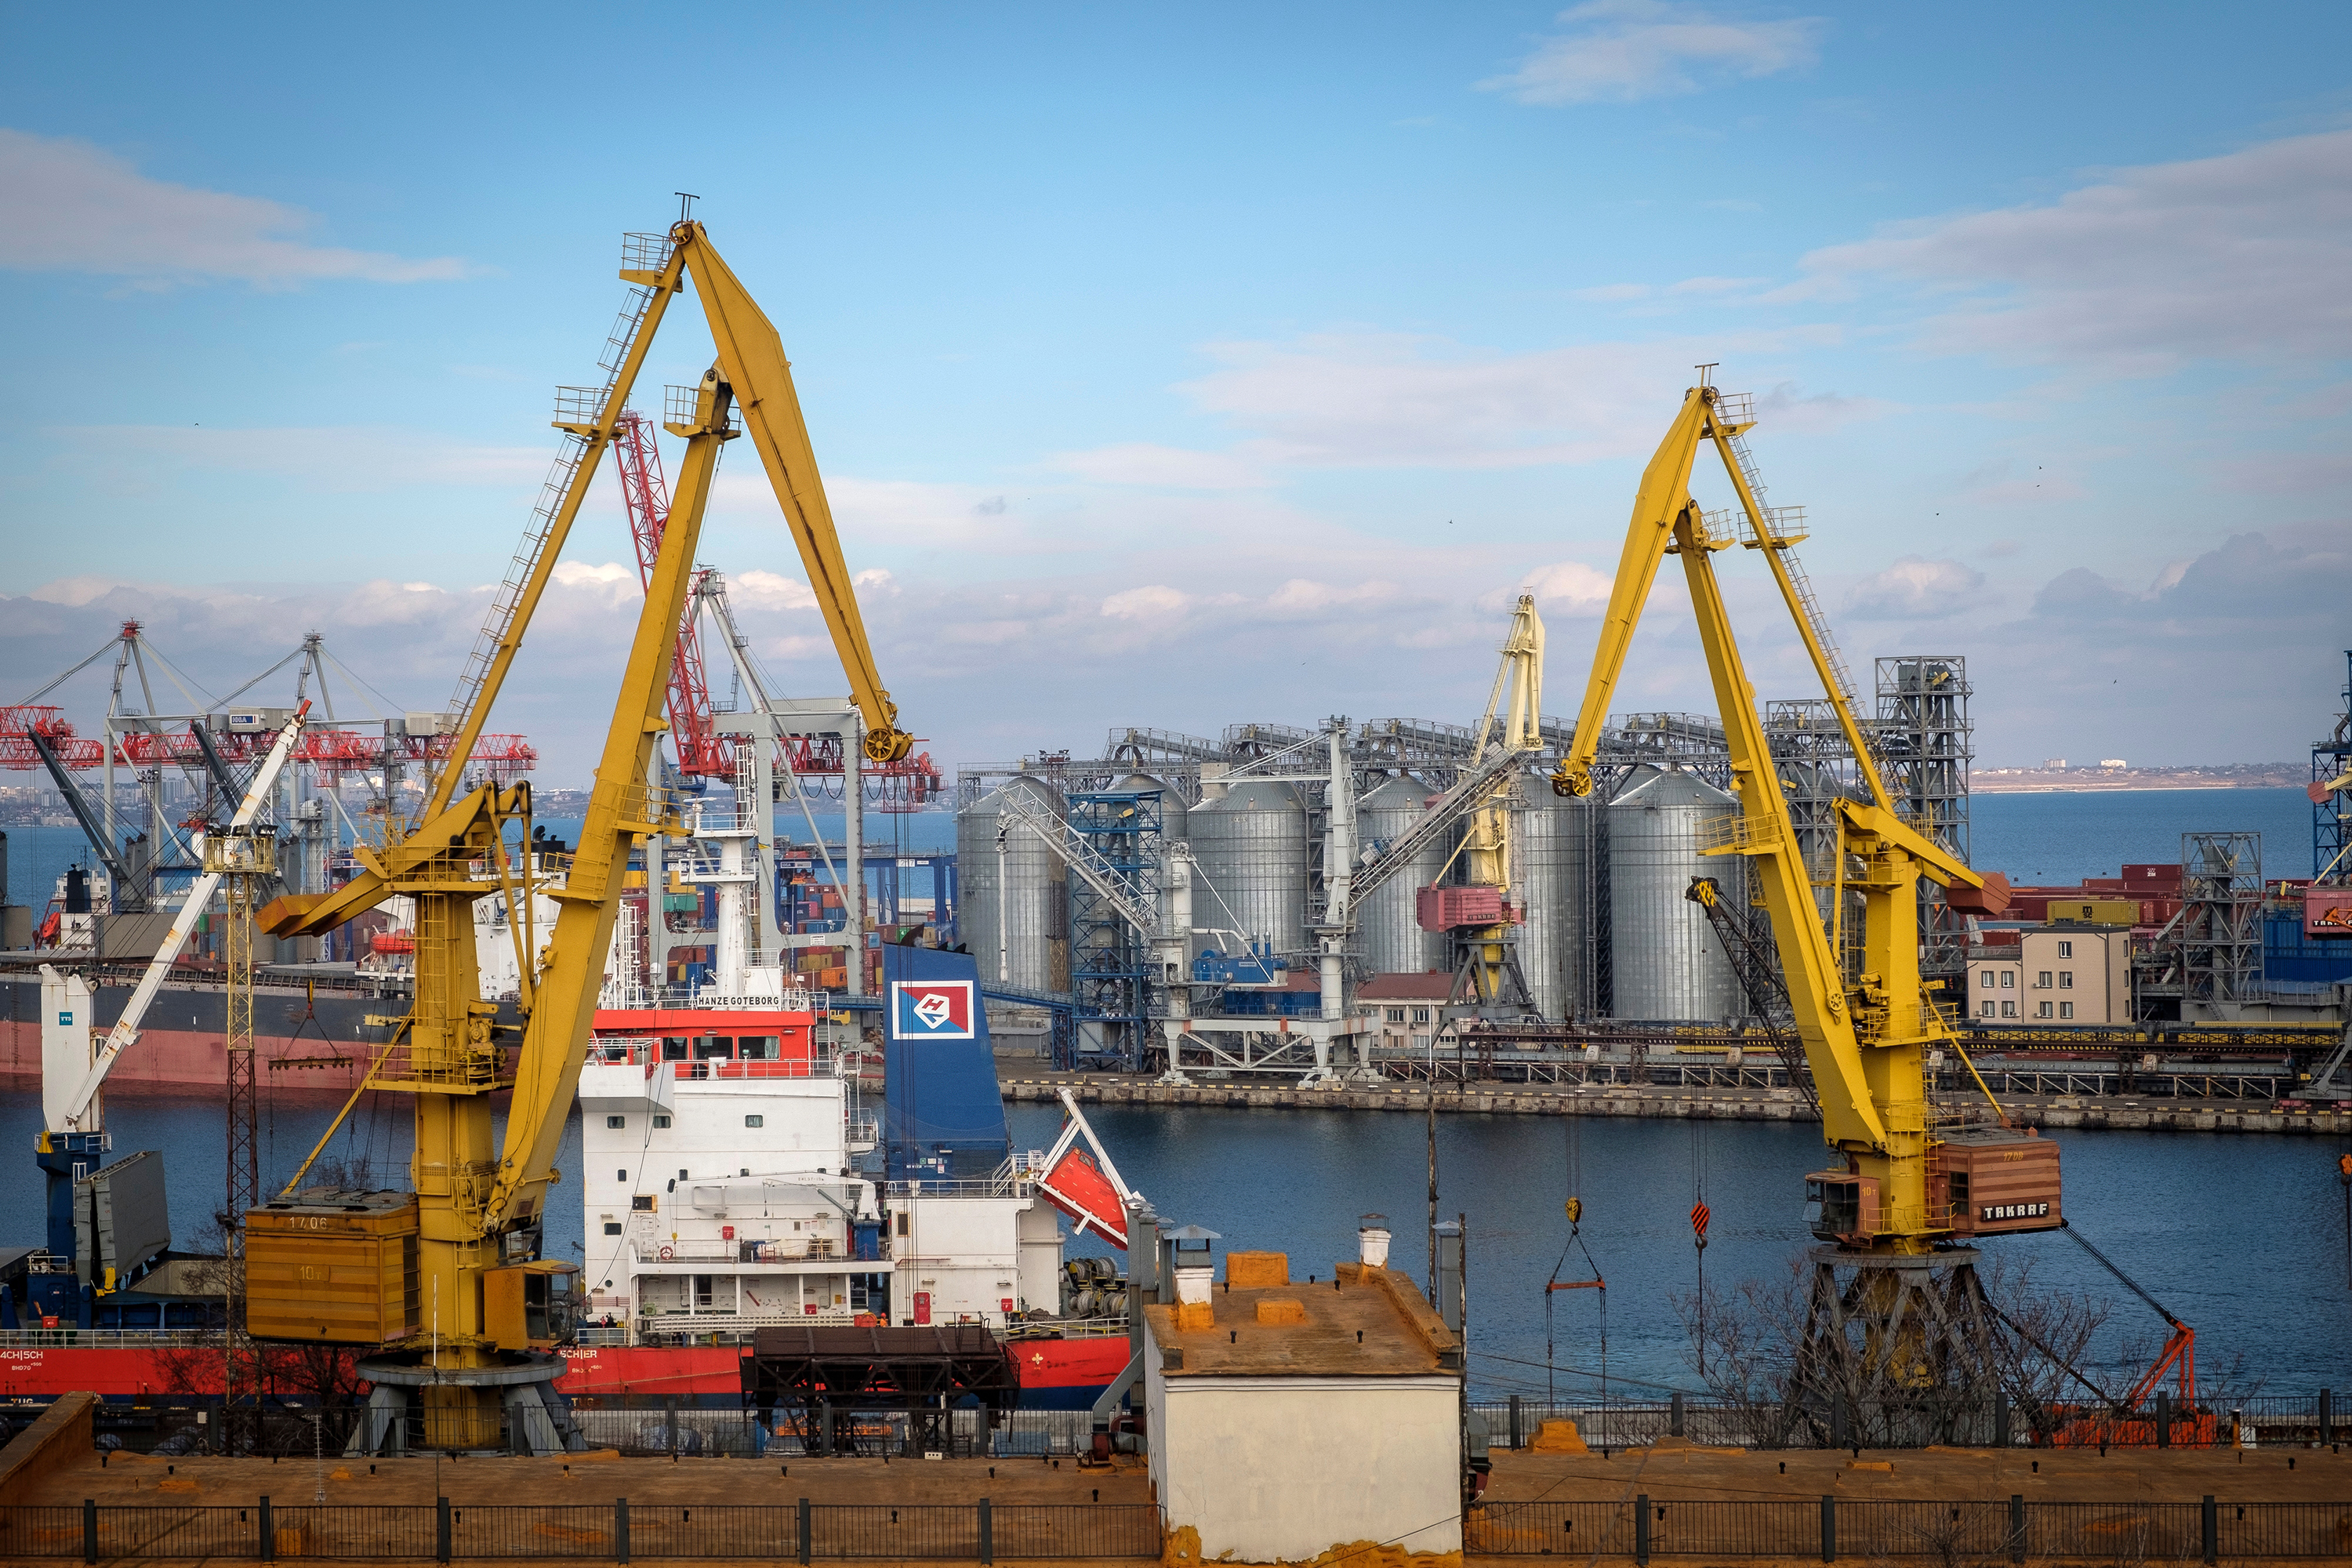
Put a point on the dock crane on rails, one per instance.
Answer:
(442, 1284)
(1897, 1320)
(74, 1062)
(1480, 915)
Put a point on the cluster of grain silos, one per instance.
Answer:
(1663, 962)
(1014, 915)
(1250, 864)
(1387, 936)
(1607, 930)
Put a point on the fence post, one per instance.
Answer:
(804, 1520)
(2327, 1419)
(2212, 1531)
(2164, 1418)
(268, 1552)
(441, 1530)
(987, 1533)
(1514, 1424)
(90, 1529)
(1675, 1416)
(2017, 1526)
(1829, 1528)
(620, 1530)
(1642, 1529)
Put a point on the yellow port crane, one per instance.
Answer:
(445, 1282)
(1513, 727)
(1865, 1019)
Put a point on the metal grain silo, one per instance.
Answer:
(1016, 912)
(1551, 874)
(1249, 855)
(1664, 962)
(1391, 941)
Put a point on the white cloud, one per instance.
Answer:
(2238, 256)
(1568, 588)
(1620, 51)
(1915, 589)
(1171, 468)
(1395, 400)
(1786, 411)
(770, 590)
(1153, 600)
(2116, 669)
(65, 205)
(579, 575)
(1305, 597)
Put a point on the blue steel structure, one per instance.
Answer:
(1111, 988)
(2330, 829)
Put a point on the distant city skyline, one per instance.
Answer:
(1189, 369)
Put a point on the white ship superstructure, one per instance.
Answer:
(722, 1191)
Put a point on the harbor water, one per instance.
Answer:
(2242, 1235)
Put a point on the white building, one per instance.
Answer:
(1286, 1420)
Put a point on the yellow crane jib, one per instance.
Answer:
(1862, 1014)
(450, 1268)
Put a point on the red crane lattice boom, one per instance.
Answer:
(702, 751)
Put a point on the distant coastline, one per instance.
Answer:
(2122, 781)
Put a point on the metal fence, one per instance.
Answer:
(613, 1532)
(2263, 1421)
(1832, 1529)
(686, 1430)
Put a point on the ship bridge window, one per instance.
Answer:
(643, 1203)
(755, 1121)
(673, 1047)
(616, 1122)
(711, 1046)
(661, 1118)
(755, 1047)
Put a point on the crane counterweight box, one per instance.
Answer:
(1993, 1181)
(333, 1267)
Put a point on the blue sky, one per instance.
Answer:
(1186, 367)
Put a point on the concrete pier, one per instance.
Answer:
(2118, 1112)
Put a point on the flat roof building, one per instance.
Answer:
(1287, 1419)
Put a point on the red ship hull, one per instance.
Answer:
(1055, 1373)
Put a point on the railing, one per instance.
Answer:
(1828, 1529)
(647, 1053)
(100, 1338)
(617, 1531)
(743, 1251)
(2267, 1421)
(1833, 1529)
(1739, 830)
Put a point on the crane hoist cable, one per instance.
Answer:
(1574, 1207)
(1699, 1215)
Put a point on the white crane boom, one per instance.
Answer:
(69, 1111)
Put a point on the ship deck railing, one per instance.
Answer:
(101, 1339)
(646, 1052)
(811, 1249)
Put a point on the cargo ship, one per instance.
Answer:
(737, 1175)
(740, 1172)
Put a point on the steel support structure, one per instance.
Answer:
(1924, 741)
(2221, 940)
(1110, 985)
(2331, 808)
